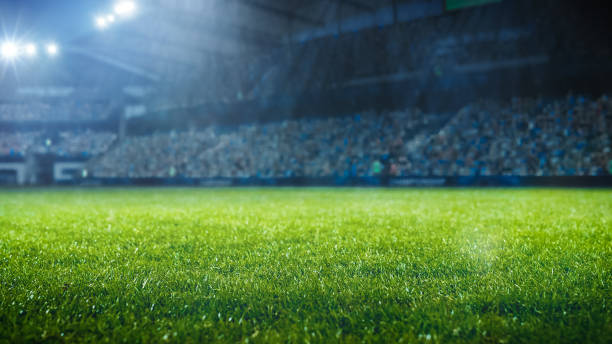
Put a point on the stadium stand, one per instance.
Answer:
(16, 144)
(64, 111)
(524, 137)
(82, 144)
(521, 138)
(85, 143)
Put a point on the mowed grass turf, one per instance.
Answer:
(306, 265)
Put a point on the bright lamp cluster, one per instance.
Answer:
(122, 9)
(10, 50)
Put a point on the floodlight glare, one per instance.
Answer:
(110, 18)
(125, 8)
(30, 49)
(9, 50)
(101, 22)
(52, 49)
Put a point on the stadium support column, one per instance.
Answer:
(30, 169)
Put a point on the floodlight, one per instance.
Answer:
(125, 8)
(30, 49)
(52, 49)
(101, 22)
(9, 50)
(110, 18)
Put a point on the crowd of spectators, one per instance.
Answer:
(53, 112)
(16, 144)
(84, 144)
(569, 136)
(68, 144)
(524, 137)
(307, 147)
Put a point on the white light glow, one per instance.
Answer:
(9, 50)
(101, 22)
(30, 49)
(125, 8)
(110, 18)
(52, 49)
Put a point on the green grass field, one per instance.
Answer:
(306, 265)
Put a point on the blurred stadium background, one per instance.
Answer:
(333, 92)
(305, 93)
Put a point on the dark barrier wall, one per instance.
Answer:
(453, 181)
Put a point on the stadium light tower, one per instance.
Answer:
(125, 8)
(52, 49)
(9, 50)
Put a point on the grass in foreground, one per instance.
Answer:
(306, 265)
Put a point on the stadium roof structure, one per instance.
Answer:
(172, 40)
